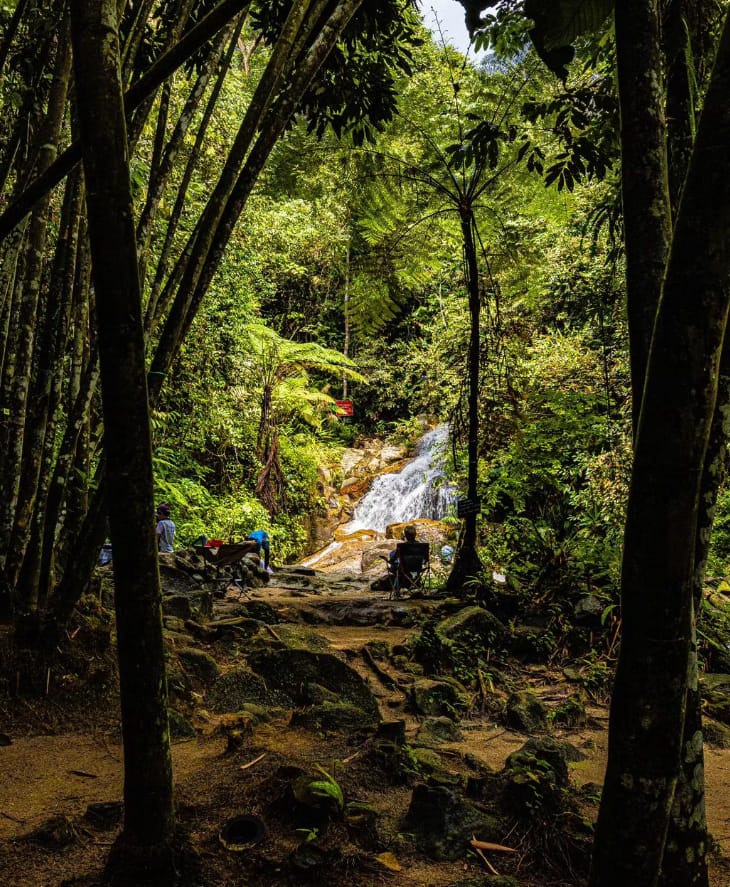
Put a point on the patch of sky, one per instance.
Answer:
(445, 18)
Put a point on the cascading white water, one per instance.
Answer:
(419, 490)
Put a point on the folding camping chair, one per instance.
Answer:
(411, 567)
(227, 554)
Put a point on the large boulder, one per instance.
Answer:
(457, 643)
(240, 686)
(290, 671)
(429, 697)
(443, 823)
(198, 664)
(473, 627)
(552, 752)
(526, 712)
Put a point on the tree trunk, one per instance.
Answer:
(149, 820)
(466, 561)
(162, 170)
(644, 183)
(155, 307)
(28, 439)
(648, 707)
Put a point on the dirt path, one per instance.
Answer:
(52, 775)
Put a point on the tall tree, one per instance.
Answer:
(149, 821)
(678, 291)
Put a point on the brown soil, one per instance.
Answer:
(61, 760)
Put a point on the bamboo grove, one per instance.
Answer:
(174, 59)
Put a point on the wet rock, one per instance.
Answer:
(290, 671)
(526, 712)
(372, 556)
(199, 664)
(233, 690)
(430, 697)
(333, 717)
(437, 730)
(443, 823)
(435, 532)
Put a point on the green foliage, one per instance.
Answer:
(328, 787)
(355, 89)
(534, 786)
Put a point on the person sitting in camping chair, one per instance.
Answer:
(408, 563)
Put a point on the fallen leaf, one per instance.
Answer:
(388, 860)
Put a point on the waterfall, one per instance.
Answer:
(419, 490)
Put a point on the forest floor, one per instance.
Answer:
(63, 757)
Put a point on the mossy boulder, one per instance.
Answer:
(291, 671)
(240, 686)
(180, 726)
(262, 714)
(317, 694)
(442, 822)
(526, 712)
(437, 730)
(536, 778)
(198, 664)
(554, 752)
(445, 697)
(424, 760)
(333, 717)
(457, 643)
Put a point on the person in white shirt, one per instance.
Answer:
(165, 529)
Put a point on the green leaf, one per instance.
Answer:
(558, 23)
